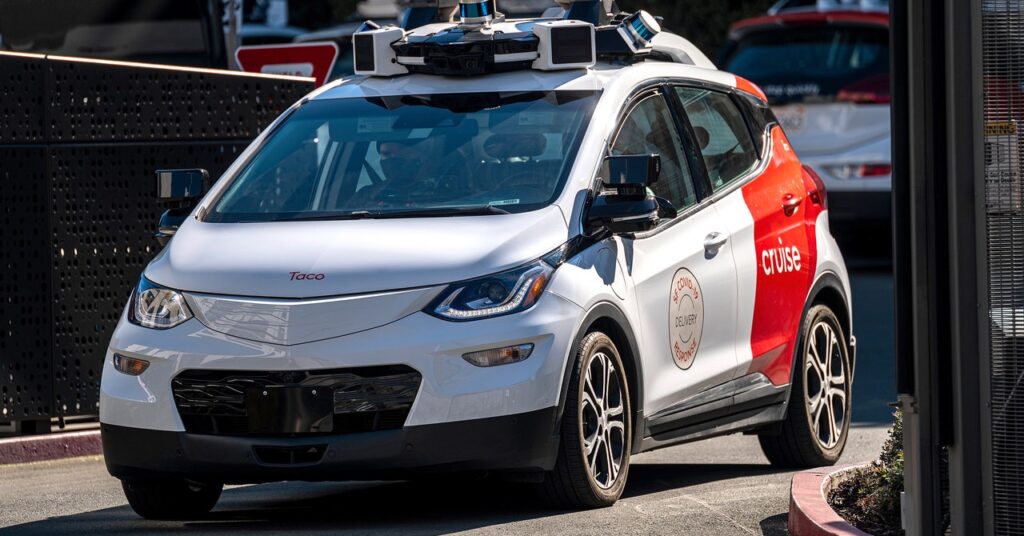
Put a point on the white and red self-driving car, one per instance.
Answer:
(522, 248)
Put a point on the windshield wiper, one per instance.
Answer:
(440, 212)
(339, 216)
(483, 210)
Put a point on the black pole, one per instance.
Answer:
(968, 264)
(919, 250)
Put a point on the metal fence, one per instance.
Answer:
(79, 141)
(1003, 65)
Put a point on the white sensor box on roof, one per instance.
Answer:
(564, 44)
(374, 55)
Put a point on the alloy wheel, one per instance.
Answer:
(826, 386)
(603, 420)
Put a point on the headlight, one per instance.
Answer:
(156, 307)
(500, 294)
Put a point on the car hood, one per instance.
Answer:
(354, 257)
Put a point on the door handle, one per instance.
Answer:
(790, 203)
(714, 242)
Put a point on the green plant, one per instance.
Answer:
(870, 499)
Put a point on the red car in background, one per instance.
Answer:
(825, 69)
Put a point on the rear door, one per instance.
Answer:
(761, 197)
(683, 271)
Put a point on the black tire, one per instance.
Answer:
(805, 439)
(171, 499)
(575, 483)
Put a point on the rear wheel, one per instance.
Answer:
(818, 418)
(593, 457)
(171, 499)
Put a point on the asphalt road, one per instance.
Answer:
(720, 486)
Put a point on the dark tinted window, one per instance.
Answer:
(176, 32)
(815, 63)
(721, 132)
(650, 129)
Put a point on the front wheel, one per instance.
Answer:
(171, 499)
(593, 457)
(818, 418)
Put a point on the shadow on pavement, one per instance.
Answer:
(777, 525)
(645, 479)
(398, 508)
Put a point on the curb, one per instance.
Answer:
(50, 447)
(809, 511)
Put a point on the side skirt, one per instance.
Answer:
(740, 405)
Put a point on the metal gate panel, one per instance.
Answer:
(21, 99)
(93, 101)
(1003, 65)
(79, 142)
(25, 337)
(102, 220)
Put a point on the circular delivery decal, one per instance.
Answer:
(686, 318)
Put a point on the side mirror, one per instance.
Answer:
(170, 220)
(626, 206)
(182, 189)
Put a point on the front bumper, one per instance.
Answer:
(515, 443)
(451, 388)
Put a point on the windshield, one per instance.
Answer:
(816, 64)
(412, 155)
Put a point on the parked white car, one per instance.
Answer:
(534, 273)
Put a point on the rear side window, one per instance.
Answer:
(815, 64)
(722, 133)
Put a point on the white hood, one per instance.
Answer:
(355, 257)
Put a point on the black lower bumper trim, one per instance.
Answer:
(523, 442)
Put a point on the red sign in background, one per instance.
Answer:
(314, 60)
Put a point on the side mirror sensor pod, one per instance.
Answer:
(181, 189)
(173, 185)
(627, 206)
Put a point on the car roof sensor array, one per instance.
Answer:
(471, 37)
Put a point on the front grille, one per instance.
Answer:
(363, 400)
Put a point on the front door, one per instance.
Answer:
(767, 218)
(683, 271)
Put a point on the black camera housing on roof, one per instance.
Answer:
(451, 54)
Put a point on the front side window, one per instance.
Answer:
(722, 134)
(650, 129)
(405, 155)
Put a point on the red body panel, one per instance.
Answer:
(786, 247)
(743, 84)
